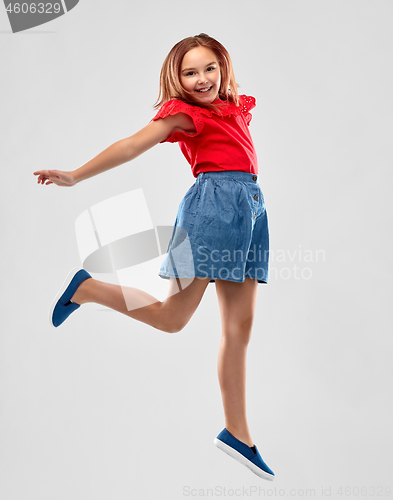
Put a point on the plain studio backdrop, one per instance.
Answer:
(107, 407)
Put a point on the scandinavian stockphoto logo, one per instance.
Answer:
(28, 14)
(117, 236)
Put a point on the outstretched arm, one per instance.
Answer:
(120, 152)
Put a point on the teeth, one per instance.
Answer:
(205, 90)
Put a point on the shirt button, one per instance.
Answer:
(256, 197)
(254, 177)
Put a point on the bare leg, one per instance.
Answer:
(237, 306)
(170, 316)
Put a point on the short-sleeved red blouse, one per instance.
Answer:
(220, 142)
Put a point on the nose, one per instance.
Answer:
(201, 80)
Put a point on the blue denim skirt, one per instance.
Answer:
(221, 230)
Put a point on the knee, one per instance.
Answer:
(170, 322)
(176, 327)
(239, 339)
(240, 333)
(170, 330)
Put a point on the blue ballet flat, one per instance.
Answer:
(246, 455)
(62, 306)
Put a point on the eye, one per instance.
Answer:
(209, 68)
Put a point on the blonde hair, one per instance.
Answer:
(170, 86)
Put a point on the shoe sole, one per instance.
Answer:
(243, 460)
(63, 288)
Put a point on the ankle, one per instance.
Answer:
(241, 434)
(81, 294)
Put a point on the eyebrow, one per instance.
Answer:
(187, 69)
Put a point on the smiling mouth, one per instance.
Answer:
(202, 91)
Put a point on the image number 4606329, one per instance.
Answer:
(24, 15)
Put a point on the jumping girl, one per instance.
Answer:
(223, 214)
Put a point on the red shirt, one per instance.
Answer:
(220, 142)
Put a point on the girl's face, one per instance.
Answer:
(200, 74)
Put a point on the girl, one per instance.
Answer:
(223, 214)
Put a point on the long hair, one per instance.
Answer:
(170, 86)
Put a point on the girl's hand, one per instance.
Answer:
(57, 177)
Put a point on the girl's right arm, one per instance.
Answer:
(120, 152)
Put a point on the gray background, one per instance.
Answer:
(106, 407)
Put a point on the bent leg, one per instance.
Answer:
(237, 303)
(170, 316)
